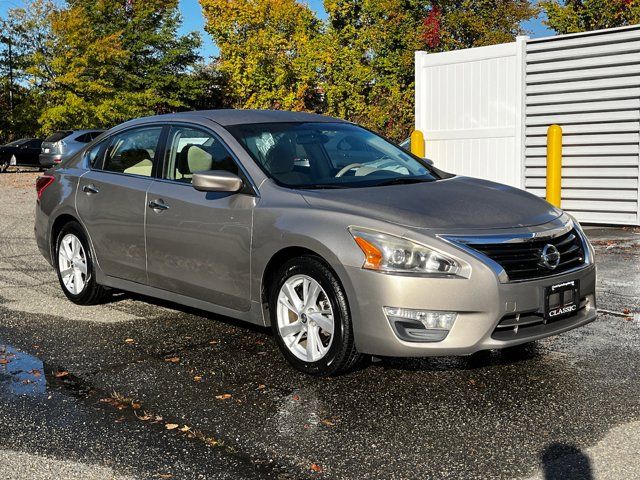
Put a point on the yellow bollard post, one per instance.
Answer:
(554, 165)
(417, 144)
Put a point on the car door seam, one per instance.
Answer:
(144, 230)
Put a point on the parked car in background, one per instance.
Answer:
(23, 152)
(343, 242)
(62, 144)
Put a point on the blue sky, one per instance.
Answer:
(193, 20)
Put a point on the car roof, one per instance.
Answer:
(228, 117)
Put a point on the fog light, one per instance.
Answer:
(420, 325)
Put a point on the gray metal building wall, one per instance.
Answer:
(589, 84)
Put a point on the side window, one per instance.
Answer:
(94, 154)
(133, 151)
(192, 150)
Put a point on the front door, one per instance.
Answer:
(111, 201)
(199, 243)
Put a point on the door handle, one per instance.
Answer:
(90, 189)
(158, 205)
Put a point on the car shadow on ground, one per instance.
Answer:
(478, 360)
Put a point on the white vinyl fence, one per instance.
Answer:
(485, 112)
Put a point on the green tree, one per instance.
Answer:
(267, 53)
(572, 16)
(28, 31)
(112, 60)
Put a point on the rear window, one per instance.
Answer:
(57, 136)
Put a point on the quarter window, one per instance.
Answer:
(192, 150)
(94, 154)
(133, 151)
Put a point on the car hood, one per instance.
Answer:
(454, 203)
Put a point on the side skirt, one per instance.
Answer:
(254, 315)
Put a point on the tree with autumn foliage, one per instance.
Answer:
(369, 50)
(267, 52)
(572, 16)
(358, 64)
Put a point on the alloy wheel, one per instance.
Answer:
(72, 262)
(305, 318)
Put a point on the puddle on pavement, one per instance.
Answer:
(21, 373)
(24, 374)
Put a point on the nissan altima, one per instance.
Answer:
(344, 243)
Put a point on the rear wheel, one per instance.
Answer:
(74, 266)
(310, 318)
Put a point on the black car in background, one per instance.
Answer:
(24, 152)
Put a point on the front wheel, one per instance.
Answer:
(310, 318)
(74, 266)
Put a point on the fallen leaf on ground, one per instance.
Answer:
(171, 426)
(213, 342)
(35, 372)
(626, 311)
(61, 374)
(224, 396)
(296, 397)
(136, 405)
(164, 475)
(316, 468)
(4, 361)
(129, 340)
(197, 378)
(172, 359)
(262, 386)
(144, 417)
(185, 428)
(328, 423)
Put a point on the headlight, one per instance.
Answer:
(589, 253)
(391, 254)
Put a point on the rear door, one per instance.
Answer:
(111, 200)
(198, 243)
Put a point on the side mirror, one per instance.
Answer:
(216, 181)
(428, 160)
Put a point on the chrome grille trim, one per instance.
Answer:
(467, 243)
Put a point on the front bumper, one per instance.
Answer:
(50, 159)
(480, 301)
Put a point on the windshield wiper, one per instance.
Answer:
(402, 181)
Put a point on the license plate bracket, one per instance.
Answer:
(561, 300)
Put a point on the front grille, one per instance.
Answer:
(522, 260)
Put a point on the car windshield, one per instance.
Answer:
(329, 155)
(17, 143)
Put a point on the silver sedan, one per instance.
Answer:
(343, 243)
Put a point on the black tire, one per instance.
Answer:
(92, 293)
(4, 165)
(342, 355)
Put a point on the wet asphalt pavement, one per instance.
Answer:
(138, 388)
